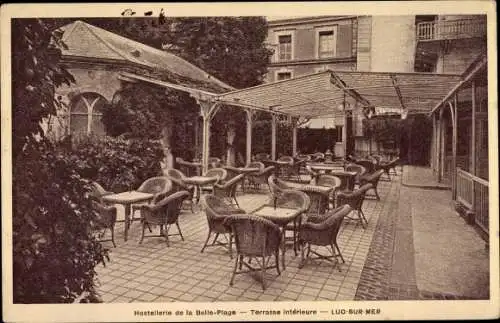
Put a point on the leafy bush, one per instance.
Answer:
(54, 250)
(116, 163)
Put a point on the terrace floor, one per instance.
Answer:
(381, 262)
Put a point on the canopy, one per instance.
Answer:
(323, 93)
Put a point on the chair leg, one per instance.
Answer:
(376, 194)
(215, 239)
(338, 250)
(277, 260)
(236, 201)
(206, 241)
(179, 229)
(234, 270)
(334, 256)
(241, 260)
(263, 272)
(113, 235)
(361, 219)
(363, 216)
(302, 257)
(143, 229)
(231, 245)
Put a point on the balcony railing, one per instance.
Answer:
(472, 192)
(453, 29)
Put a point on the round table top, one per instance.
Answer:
(200, 180)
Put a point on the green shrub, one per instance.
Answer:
(53, 247)
(117, 164)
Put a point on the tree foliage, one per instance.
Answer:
(54, 252)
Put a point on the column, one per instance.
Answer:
(294, 136)
(208, 110)
(453, 113)
(273, 136)
(249, 115)
(473, 128)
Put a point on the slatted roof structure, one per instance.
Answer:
(324, 93)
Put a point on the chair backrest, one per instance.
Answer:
(276, 186)
(221, 173)
(172, 205)
(229, 187)
(175, 173)
(97, 191)
(106, 215)
(367, 164)
(155, 185)
(214, 162)
(254, 235)
(354, 199)
(329, 180)
(374, 177)
(293, 199)
(360, 170)
(256, 164)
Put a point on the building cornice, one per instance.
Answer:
(314, 61)
(306, 20)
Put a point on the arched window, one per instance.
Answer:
(86, 113)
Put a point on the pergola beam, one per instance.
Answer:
(398, 91)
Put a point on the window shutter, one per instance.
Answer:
(344, 40)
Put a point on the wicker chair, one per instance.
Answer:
(165, 213)
(367, 164)
(220, 173)
(314, 174)
(188, 168)
(159, 186)
(177, 179)
(255, 237)
(373, 179)
(276, 186)
(259, 178)
(330, 181)
(105, 219)
(216, 210)
(323, 231)
(360, 171)
(228, 189)
(318, 157)
(388, 166)
(355, 201)
(98, 192)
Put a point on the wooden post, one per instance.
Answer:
(249, 115)
(440, 145)
(208, 108)
(273, 136)
(294, 137)
(434, 144)
(473, 135)
(453, 113)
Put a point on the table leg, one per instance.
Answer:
(198, 193)
(283, 247)
(127, 208)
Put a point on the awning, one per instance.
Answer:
(323, 93)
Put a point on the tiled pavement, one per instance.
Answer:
(153, 272)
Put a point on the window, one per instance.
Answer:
(280, 76)
(285, 47)
(326, 39)
(86, 113)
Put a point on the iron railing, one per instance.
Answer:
(453, 29)
(472, 192)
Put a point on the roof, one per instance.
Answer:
(323, 93)
(87, 41)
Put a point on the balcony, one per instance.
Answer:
(453, 29)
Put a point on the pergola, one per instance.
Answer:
(325, 94)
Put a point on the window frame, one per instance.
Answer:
(90, 109)
(318, 31)
(277, 35)
(282, 70)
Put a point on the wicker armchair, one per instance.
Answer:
(188, 168)
(318, 157)
(228, 189)
(388, 166)
(367, 164)
(216, 210)
(355, 201)
(330, 181)
(289, 198)
(360, 171)
(105, 219)
(165, 213)
(259, 178)
(276, 186)
(177, 179)
(373, 179)
(98, 192)
(159, 186)
(255, 237)
(220, 173)
(323, 231)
